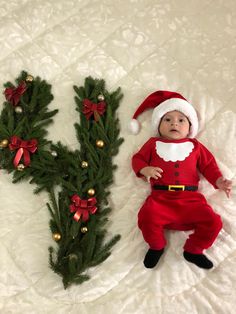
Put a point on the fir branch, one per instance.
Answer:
(83, 243)
(54, 208)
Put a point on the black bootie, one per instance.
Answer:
(198, 259)
(152, 257)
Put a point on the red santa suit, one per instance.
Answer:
(181, 162)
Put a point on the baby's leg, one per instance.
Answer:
(207, 226)
(151, 224)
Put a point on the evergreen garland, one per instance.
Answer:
(79, 211)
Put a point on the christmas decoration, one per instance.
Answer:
(4, 143)
(54, 153)
(82, 208)
(92, 109)
(24, 148)
(84, 164)
(18, 109)
(71, 178)
(56, 236)
(101, 97)
(26, 133)
(29, 78)
(84, 229)
(91, 192)
(20, 167)
(100, 143)
(13, 94)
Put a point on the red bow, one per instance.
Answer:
(13, 94)
(82, 208)
(24, 148)
(90, 108)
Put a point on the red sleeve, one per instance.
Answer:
(142, 158)
(207, 165)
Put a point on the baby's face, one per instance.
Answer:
(174, 125)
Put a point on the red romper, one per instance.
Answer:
(180, 160)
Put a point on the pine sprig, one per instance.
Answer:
(88, 246)
(27, 120)
(86, 172)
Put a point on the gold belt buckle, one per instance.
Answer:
(171, 187)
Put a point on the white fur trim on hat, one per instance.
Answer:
(176, 104)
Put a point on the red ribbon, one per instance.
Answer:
(24, 149)
(90, 108)
(13, 94)
(82, 208)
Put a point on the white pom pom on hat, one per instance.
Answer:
(163, 102)
(134, 126)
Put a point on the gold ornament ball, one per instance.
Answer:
(91, 192)
(54, 153)
(100, 143)
(56, 236)
(4, 143)
(84, 164)
(73, 257)
(29, 78)
(84, 229)
(20, 167)
(18, 109)
(101, 97)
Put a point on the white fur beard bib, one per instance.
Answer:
(174, 151)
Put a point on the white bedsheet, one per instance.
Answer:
(142, 46)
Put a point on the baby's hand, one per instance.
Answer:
(224, 185)
(151, 172)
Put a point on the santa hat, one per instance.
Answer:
(163, 102)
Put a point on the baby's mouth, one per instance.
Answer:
(174, 130)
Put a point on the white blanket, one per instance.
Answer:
(141, 46)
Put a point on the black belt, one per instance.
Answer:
(175, 187)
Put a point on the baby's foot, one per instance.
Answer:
(152, 257)
(198, 259)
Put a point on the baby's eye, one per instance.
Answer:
(167, 119)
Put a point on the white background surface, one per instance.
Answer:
(142, 46)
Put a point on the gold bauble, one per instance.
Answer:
(84, 164)
(73, 257)
(29, 78)
(84, 229)
(20, 167)
(56, 236)
(100, 143)
(91, 192)
(101, 97)
(4, 143)
(18, 109)
(54, 153)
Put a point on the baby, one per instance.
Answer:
(172, 162)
